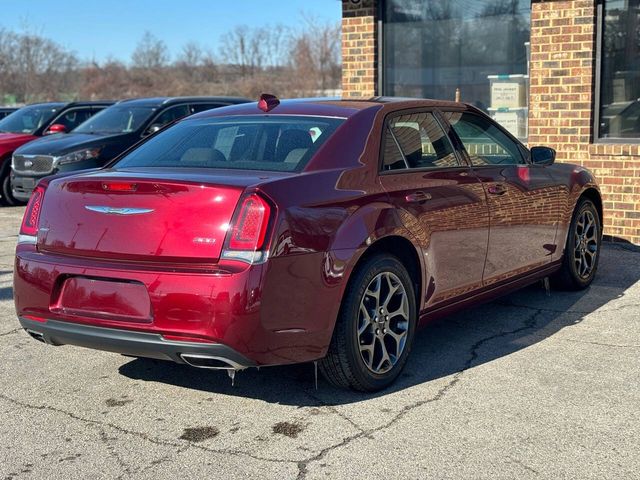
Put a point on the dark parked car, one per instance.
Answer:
(33, 121)
(4, 111)
(103, 137)
(237, 238)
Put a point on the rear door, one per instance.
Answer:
(438, 200)
(523, 199)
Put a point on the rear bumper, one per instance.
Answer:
(137, 344)
(260, 313)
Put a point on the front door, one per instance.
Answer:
(523, 199)
(440, 202)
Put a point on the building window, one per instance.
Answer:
(433, 48)
(619, 115)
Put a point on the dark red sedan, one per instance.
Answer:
(265, 234)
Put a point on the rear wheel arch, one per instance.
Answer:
(401, 248)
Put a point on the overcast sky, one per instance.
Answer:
(113, 27)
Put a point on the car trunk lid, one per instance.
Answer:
(137, 218)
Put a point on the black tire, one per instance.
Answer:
(345, 366)
(571, 275)
(6, 194)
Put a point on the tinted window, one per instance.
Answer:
(417, 141)
(485, 143)
(27, 119)
(201, 107)
(116, 119)
(620, 75)
(272, 143)
(171, 115)
(74, 117)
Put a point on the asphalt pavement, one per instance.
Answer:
(529, 386)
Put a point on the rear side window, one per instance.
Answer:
(417, 141)
(270, 143)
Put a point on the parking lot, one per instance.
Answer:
(528, 386)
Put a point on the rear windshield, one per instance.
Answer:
(27, 119)
(116, 119)
(271, 143)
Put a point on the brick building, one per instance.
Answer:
(559, 73)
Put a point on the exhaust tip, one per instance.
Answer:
(208, 361)
(37, 335)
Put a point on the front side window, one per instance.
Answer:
(620, 75)
(27, 119)
(416, 141)
(270, 143)
(484, 142)
(116, 119)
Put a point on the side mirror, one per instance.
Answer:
(543, 155)
(153, 129)
(56, 128)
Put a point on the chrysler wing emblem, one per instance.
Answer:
(118, 211)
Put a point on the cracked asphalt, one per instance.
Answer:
(529, 386)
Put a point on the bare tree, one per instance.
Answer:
(150, 52)
(271, 58)
(35, 68)
(315, 56)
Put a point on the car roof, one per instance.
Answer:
(330, 107)
(161, 101)
(82, 103)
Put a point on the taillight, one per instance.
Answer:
(32, 213)
(247, 235)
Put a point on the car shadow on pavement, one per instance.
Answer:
(6, 293)
(444, 348)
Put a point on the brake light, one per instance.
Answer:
(32, 213)
(119, 186)
(247, 235)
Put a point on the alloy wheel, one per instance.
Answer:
(383, 322)
(586, 240)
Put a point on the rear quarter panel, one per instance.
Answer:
(327, 217)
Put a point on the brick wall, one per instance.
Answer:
(359, 48)
(563, 41)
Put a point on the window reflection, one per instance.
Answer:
(620, 76)
(433, 47)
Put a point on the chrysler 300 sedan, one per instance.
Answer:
(309, 230)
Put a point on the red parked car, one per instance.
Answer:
(237, 238)
(31, 122)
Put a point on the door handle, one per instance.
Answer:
(497, 189)
(418, 197)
